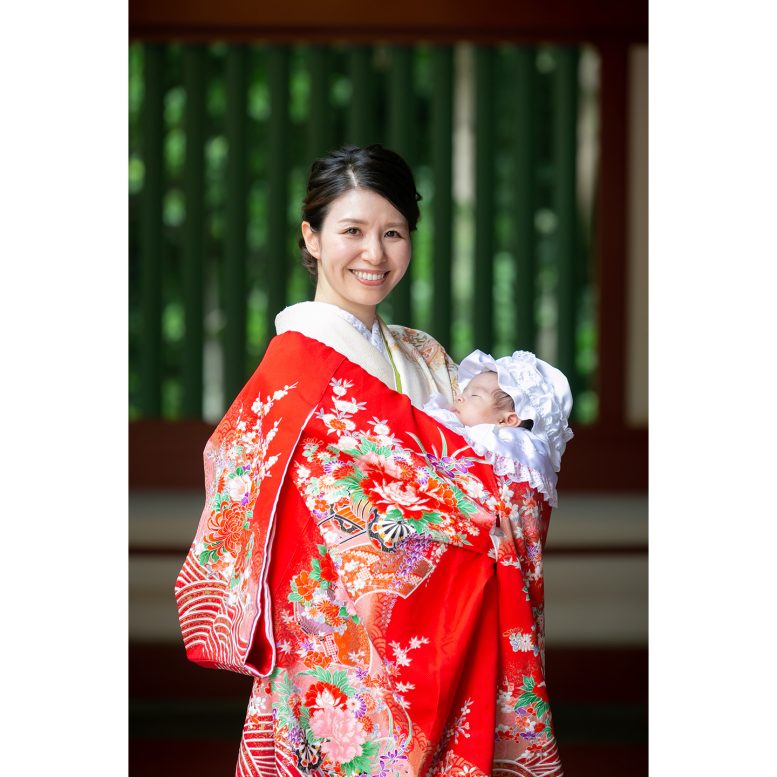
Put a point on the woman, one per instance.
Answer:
(381, 584)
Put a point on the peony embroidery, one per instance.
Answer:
(324, 696)
(341, 731)
(395, 494)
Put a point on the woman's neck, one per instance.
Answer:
(365, 313)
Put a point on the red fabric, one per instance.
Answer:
(348, 549)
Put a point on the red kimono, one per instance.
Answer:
(380, 582)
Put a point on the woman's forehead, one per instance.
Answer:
(364, 205)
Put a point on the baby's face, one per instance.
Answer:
(476, 405)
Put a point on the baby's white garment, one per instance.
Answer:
(515, 453)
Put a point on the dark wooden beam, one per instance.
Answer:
(402, 21)
(611, 231)
(167, 454)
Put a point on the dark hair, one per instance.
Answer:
(357, 167)
(503, 401)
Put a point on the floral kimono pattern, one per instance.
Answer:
(379, 581)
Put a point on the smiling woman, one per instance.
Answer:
(354, 556)
(359, 212)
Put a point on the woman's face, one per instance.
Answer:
(363, 250)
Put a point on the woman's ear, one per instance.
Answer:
(312, 243)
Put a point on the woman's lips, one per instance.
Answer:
(370, 278)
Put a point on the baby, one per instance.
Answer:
(513, 412)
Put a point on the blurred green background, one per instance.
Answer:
(526, 157)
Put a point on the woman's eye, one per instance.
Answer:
(352, 231)
(393, 233)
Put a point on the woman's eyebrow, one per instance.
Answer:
(391, 225)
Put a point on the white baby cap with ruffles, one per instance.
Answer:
(539, 390)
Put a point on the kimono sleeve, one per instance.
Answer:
(223, 599)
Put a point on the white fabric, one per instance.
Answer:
(373, 336)
(332, 326)
(539, 390)
(515, 453)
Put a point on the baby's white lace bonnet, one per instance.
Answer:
(539, 390)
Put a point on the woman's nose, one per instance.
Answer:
(372, 250)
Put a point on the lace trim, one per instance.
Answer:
(518, 472)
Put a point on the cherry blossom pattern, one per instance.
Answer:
(402, 659)
(444, 761)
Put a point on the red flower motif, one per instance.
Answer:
(407, 471)
(313, 660)
(323, 694)
(443, 494)
(338, 424)
(328, 571)
(226, 528)
(330, 611)
(340, 470)
(305, 585)
(315, 467)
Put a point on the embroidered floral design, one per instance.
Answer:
(393, 764)
(242, 462)
(326, 608)
(328, 721)
(445, 762)
(530, 718)
(341, 732)
(402, 659)
(400, 493)
(227, 529)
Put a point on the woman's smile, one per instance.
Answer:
(370, 278)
